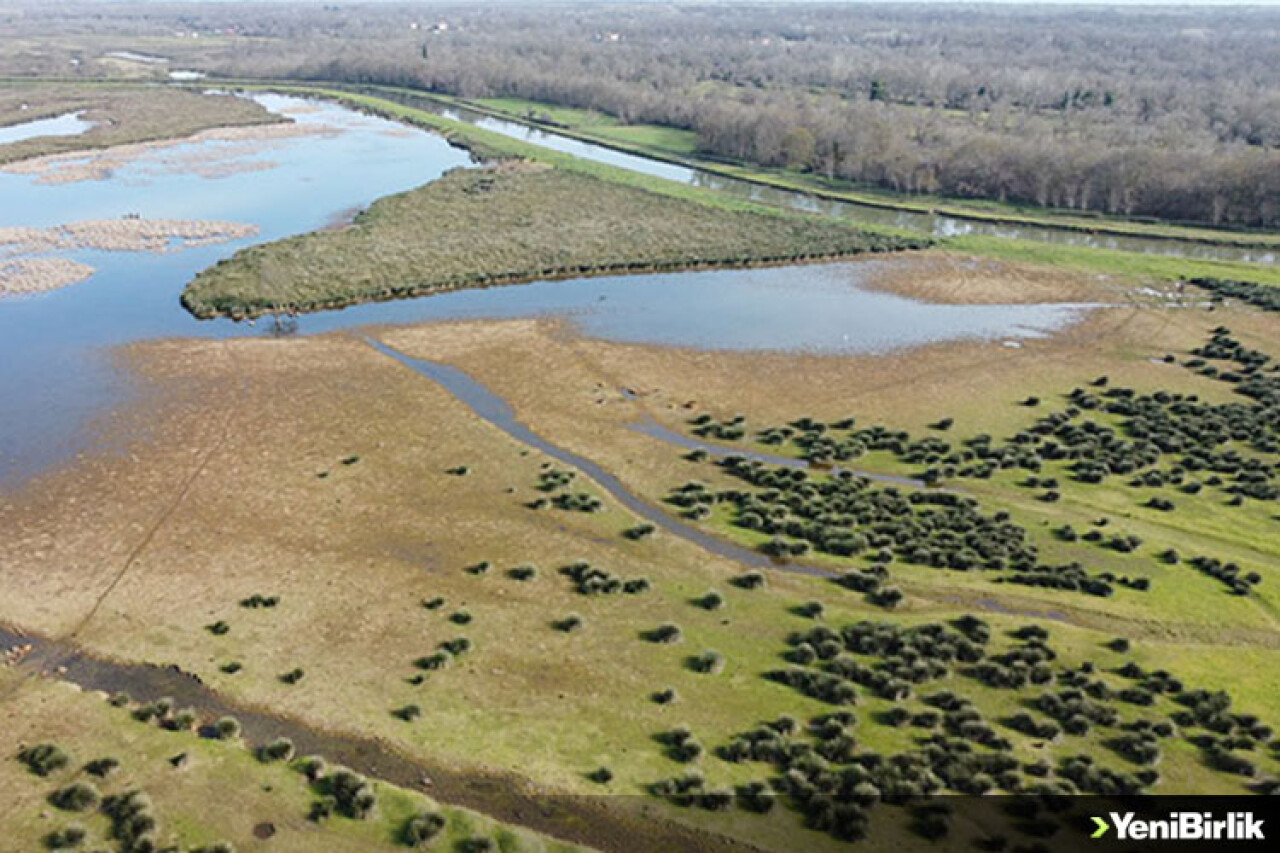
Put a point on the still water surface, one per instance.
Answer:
(69, 124)
(57, 376)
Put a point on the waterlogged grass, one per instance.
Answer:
(513, 222)
(122, 114)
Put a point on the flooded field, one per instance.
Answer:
(60, 376)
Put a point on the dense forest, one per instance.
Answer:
(1170, 113)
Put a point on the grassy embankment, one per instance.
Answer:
(122, 114)
(680, 146)
(536, 215)
(182, 774)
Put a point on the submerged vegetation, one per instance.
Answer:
(511, 223)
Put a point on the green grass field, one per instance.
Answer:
(507, 224)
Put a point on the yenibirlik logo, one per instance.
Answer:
(1182, 826)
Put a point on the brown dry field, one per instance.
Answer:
(946, 277)
(213, 494)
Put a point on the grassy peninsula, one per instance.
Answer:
(511, 222)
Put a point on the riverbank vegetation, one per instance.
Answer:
(1045, 108)
(120, 114)
(516, 221)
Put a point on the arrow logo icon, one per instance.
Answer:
(1102, 828)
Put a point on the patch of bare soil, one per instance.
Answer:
(947, 278)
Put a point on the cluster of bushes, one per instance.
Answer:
(553, 479)
(1230, 574)
(422, 829)
(76, 797)
(577, 502)
(1263, 296)
(1152, 427)
(844, 516)
(342, 792)
(133, 822)
(732, 429)
(708, 662)
(590, 580)
(681, 745)
(166, 715)
(256, 601)
(44, 758)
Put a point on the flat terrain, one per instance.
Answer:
(513, 222)
(181, 773)
(121, 114)
(389, 519)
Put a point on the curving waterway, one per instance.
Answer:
(58, 377)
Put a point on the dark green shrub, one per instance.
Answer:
(568, 624)
(811, 609)
(226, 728)
(640, 531)
(280, 749)
(664, 633)
(67, 838)
(458, 471)
(713, 600)
(231, 667)
(461, 617)
(750, 580)
(433, 603)
(708, 662)
(256, 601)
(293, 676)
(523, 573)
(44, 758)
(420, 830)
(665, 696)
(102, 767)
(408, 713)
(479, 568)
(353, 796)
(184, 720)
(435, 660)
(601, 775)
(218, 628)
(76, 797)
(1119, 644)
(219, 847)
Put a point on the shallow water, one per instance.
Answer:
(58, 377)
(69, 124)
